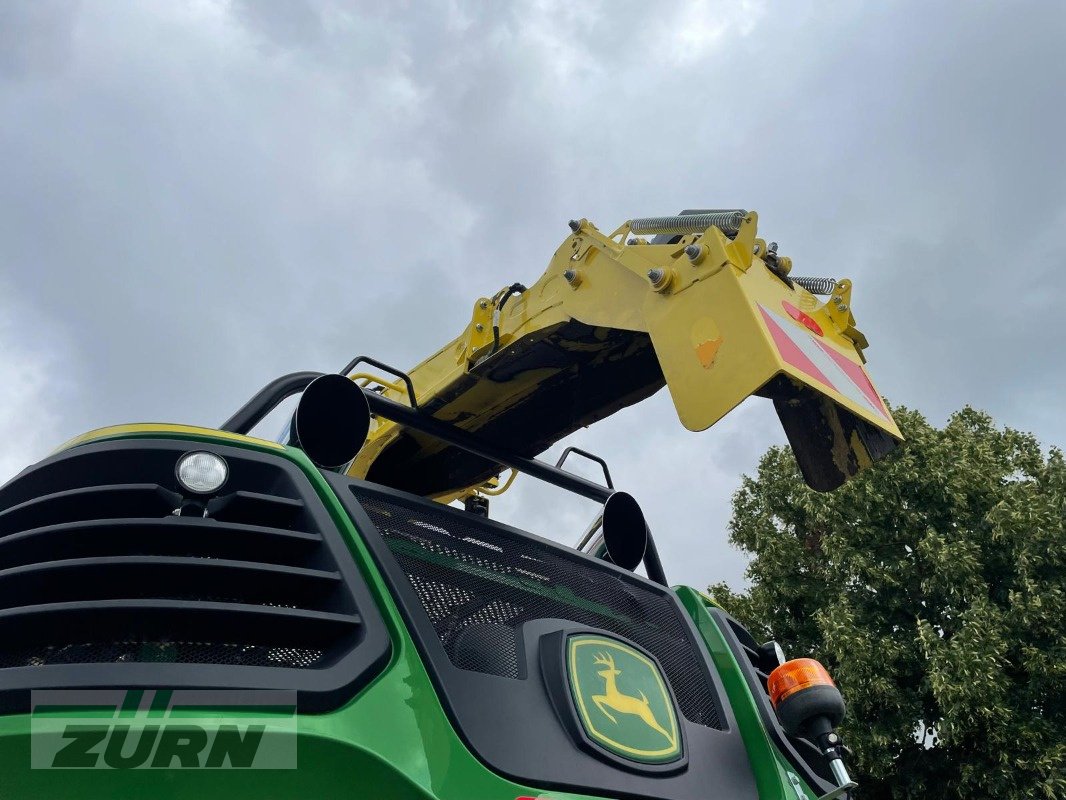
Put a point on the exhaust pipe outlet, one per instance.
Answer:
(331, 422)
(623, 533)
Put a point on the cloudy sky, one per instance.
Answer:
(198, 196)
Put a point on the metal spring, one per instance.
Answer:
(816, 285)
(726, 220)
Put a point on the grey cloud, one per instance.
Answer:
(35, 38)
(198, 197)
(289, 24)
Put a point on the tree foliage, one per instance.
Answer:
(932, 586)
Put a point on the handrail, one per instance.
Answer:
(591, 457)
(267, 399)
(399, 373)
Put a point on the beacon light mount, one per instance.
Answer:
(810, 705)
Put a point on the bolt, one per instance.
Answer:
(693, 251)
(570, 275)
(479, 327)
(838, 299)
(632, 241)
(756, 250)
(575, 226)
(483, 304)
(656, 275)
(832, 738)
(842, 307)
(773, 247)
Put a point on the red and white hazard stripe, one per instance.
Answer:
(822, 362)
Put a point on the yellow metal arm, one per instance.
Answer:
(710, 312)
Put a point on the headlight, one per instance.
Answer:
(202, 473)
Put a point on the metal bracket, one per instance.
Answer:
(480, 326)
(797, 787)
(840, 791)
(839, 305)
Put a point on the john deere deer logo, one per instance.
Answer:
(622, 699)
(624, 703)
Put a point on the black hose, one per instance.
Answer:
(513, 289)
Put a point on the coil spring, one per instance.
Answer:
(726, 221)
(816, 285)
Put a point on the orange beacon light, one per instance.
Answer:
(809, 704)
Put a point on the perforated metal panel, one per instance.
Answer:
(161, 651)
(478, 582)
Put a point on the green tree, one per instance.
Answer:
(932, 587)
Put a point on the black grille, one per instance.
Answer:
(803, 754)
(97, 568)
(164, 651)
(478, 582)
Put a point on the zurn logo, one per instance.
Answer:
(162, 729)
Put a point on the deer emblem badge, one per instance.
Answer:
(614, 700)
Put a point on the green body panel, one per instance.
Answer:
(773, 777)
(393, 740)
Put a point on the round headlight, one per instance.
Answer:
(202, 473)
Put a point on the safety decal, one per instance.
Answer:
(823, 363)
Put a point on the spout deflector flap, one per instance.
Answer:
(731, 336)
